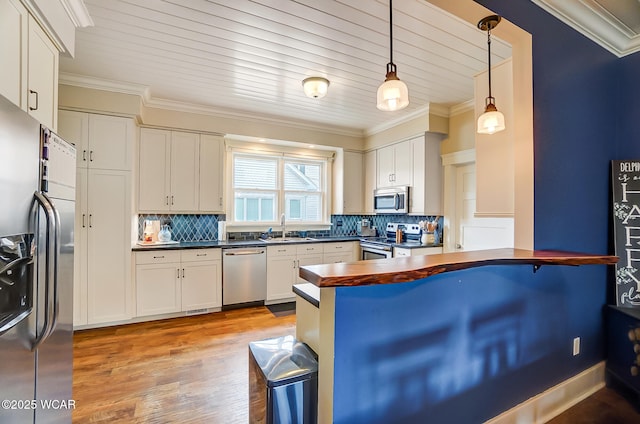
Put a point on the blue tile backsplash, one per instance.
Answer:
(205, 227)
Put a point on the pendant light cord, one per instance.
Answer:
(489, 57)
(390, 31)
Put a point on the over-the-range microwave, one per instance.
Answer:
(391, 200)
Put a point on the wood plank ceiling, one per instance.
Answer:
(249, 57)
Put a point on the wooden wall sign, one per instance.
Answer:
(626, 230)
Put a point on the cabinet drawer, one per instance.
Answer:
(337, 247)
(198, 255)
(308, 249)
(157, 257)
(281, 250)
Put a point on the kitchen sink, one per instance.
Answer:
(287, 239)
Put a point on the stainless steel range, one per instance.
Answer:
(382, 247)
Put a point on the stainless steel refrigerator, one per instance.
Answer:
(37, 202)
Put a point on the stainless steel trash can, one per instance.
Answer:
(283, 382)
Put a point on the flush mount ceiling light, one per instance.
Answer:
(393, 94)
(491, 121)
(315, 87)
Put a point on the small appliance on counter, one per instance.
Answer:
(151, 230)
(366, 230)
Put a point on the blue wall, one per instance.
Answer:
(585, 114)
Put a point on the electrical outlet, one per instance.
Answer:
(576, 346)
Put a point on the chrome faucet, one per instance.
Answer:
(282, 222)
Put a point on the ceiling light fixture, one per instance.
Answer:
(315, 87)
(393, 94)
(491, 121)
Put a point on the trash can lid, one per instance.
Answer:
(284, 360)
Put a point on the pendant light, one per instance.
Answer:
(392, 93)
(491, 121)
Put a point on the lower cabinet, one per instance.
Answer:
(169, 281)
(284, 262)
(399, 252)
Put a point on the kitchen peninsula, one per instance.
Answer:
(464, 327)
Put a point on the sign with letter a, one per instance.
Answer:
(626, 230)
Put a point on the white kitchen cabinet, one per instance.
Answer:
(169, 171)
(169, 281)
(29, 71)
(158, 289)
(42, 77)
(14, 33)
(426, 197)
(281, 272)
(307, 254)
(340, 252)
(201, 279)
(495, 175)
(211, 174)
(394, 165)
(399, 252)
(102, 283)
(348, 181)
(102, 141)
(370, 181)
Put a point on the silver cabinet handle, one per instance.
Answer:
(36, 93)
(171, 200)
(221, 201)
(182, 272)
(83, 221)
(84, 155)
(90, 221)
(201, 254)
(178, 272)
(158, 257)
(90, 155)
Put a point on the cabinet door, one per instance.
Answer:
(42, 76)
(402, 164)
(185, 165)
(385, 166)
(280, 277)
(211, 173)
(80, 256)
(353, 174)
(315, 259)
(153, 187)
(158, 289)
(13, 51)
(201, 285)
(74, 128)
(370, 180)
(110, 142)
(109, 288)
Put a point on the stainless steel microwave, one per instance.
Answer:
(391, 200)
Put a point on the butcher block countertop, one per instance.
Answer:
(411, 268)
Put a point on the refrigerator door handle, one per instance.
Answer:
(51, 256)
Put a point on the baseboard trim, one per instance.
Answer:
(552, 402)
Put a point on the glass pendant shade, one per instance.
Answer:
(315, 87)
(491, 121)
(393, 94)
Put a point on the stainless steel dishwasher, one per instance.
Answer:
(244, 275)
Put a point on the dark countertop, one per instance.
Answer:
(414, 245)
(309, 292)
(411, 268)
(226, 244)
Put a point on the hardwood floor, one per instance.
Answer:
(194, 370)
(185, 370)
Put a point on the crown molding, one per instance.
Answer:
(429, 109)
(460, 108)
(596, 23)
(78, 13)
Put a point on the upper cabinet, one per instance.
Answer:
(347, 183)
(425, 197)
(179, 171)
(102, 141)
(370, 177)
(495, 178)
(29, 71)
(394, 165)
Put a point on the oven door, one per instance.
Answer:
(376, 252)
